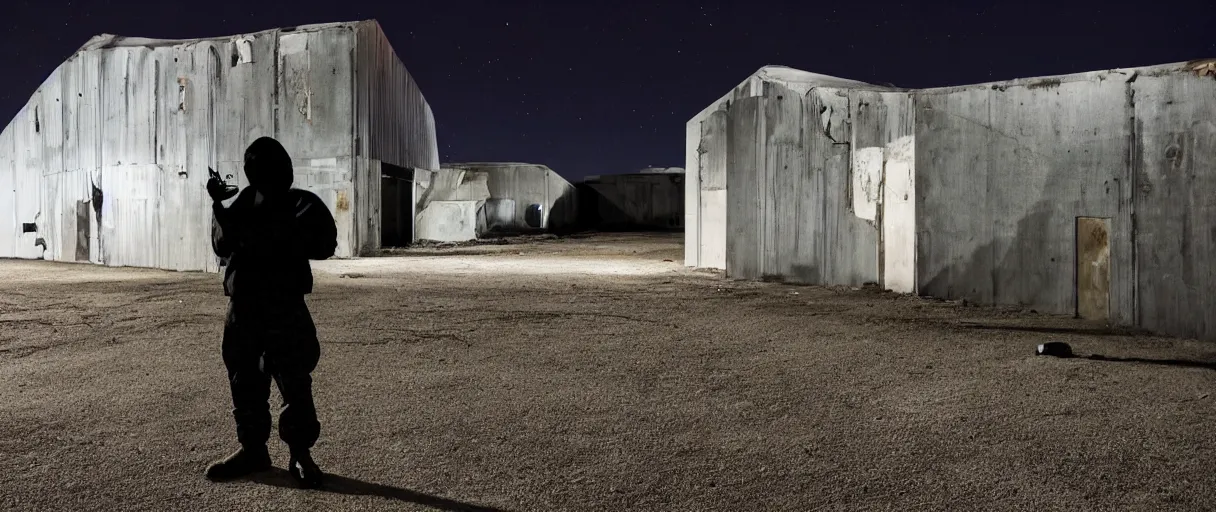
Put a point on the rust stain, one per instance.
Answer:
(1093, 268)
(343, 202)
(182, 82)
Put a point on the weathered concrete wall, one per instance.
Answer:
(393, 124)
(1002, 175)
(789, 213)
(1173, 186)
(1004, 171)
(1086, 194)
(450, 221)
(644, 200)
(523, 186)
(705, 187)
(883, 176)
(451, 204)
(109, 156)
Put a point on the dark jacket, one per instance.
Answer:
(265, 247)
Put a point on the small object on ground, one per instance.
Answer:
(1055, 348)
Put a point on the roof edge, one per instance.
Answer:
(105, 41)
(1198, 66)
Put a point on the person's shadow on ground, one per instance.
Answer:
(342, 485)
(1163, 362)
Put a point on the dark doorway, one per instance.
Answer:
(396, 206)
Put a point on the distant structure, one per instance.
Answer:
(466, 201)
(651, 199)
(1087, 194)
(107, 161)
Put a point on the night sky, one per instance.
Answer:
(606, 87)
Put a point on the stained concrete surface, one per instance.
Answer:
(589, 374)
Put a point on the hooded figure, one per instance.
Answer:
(264, 240)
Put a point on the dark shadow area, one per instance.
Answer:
(1184, 363)
(1097, 331)
(599, 203)
(564, 216)
(351, 487)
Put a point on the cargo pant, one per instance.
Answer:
(265, 338)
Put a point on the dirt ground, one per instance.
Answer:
(592, 374)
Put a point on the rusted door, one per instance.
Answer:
(1093, 268)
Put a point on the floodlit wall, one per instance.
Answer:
(882, 180)
(775, 192)
(450, 205)
(1090, 194)
(643, 200)
(393, 124)
(789, 210)
(515, 188)
(108, 159)
(705, 185)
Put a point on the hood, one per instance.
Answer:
(268, 166)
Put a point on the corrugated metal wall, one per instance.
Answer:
(109, 156)
(393, 124)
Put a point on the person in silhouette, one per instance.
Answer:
(265, 240)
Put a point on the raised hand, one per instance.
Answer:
(217, 188)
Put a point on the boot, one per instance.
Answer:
(242, 462)
(305, 471)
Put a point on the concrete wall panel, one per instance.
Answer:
(710, 222)
(1174, 187)
(449, 221)
(849, 252)
(898, 253)
(527, 185)
(1003, 175)
(744, 232)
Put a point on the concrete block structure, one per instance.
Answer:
(107, 161)
(650, 199)
(520, 197)
(1090, 194)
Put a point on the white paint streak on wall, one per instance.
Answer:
(244, 47)
(899, 216)
(692, 192)
(293, 43)
(867, 181)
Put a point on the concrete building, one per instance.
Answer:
(767, 151)
(468, 200)
(107, 161)
(1090, 194)
(650, 199)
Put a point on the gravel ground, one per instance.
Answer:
(591, 374)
